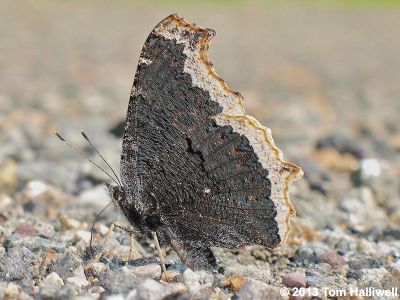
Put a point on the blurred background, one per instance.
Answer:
(323, 75)
(307, 69)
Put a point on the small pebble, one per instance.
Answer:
(5, 202)
(78, 281)
(12, 291)
(236, 282)
(66, 265)
(45, 230)
(196, 280)
(293, 280)
(151, 271)
(336, 161)
(150, 289)
(8, 175)
(14, 267)
(172, 276)
(99, 267)
(96, 289)
(27, 230)
(102, 229)
(69, 223)
(36, 188)
(341, 143)
(53, 279)
(255, 289)
(83, 235)
(333, 259)
(55, 292)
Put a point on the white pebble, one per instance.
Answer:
(53, 279)
(36, 188)
(83, 235)
(78, 281)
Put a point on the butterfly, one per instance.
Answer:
(195, 169)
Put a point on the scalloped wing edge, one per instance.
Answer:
(281, 173)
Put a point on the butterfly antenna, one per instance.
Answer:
(85, 156)
(94, 223)
(95, 149)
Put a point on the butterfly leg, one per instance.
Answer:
(162, 262)
(195, 255)
(131, 245)
(133, 242)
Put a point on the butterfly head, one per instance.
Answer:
(119, 198)
(117, 194)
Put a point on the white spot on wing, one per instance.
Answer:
(146, 61)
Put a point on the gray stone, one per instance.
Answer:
(149, 289)
(17, 265)
(319, 281)
(318, 276)
(78, 279)
(66, 265)
(262, 274)
(362, 262)
(392, 278)
(36, 244)
(55, 292)
(355, 274)
(309, 253)
(317, 176)
(49, 291)
(255, 289)
(195, 280)
(373, 278)
(25, 254)
(115, 297)
(117, 282)
(151, 271)
(45, 230)
(27, 286)
(342, 144)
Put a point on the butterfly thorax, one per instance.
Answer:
(145, 222)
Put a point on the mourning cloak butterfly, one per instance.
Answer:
(195, 168)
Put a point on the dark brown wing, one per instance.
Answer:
(192, 158)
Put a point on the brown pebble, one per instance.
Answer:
(336, 161)
(49, 258)
(236, 282)
(296, 298)
(8, 176)
(170, 276)
(90, 272)
(292, 280)
(332, 258)
(3, 219)
(26, 229)
(69, 223)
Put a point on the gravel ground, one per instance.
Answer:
(325, 79)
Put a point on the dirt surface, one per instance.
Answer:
(324, 78)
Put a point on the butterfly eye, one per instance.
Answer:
(116, 194)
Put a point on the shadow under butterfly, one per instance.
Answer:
(196, 171)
